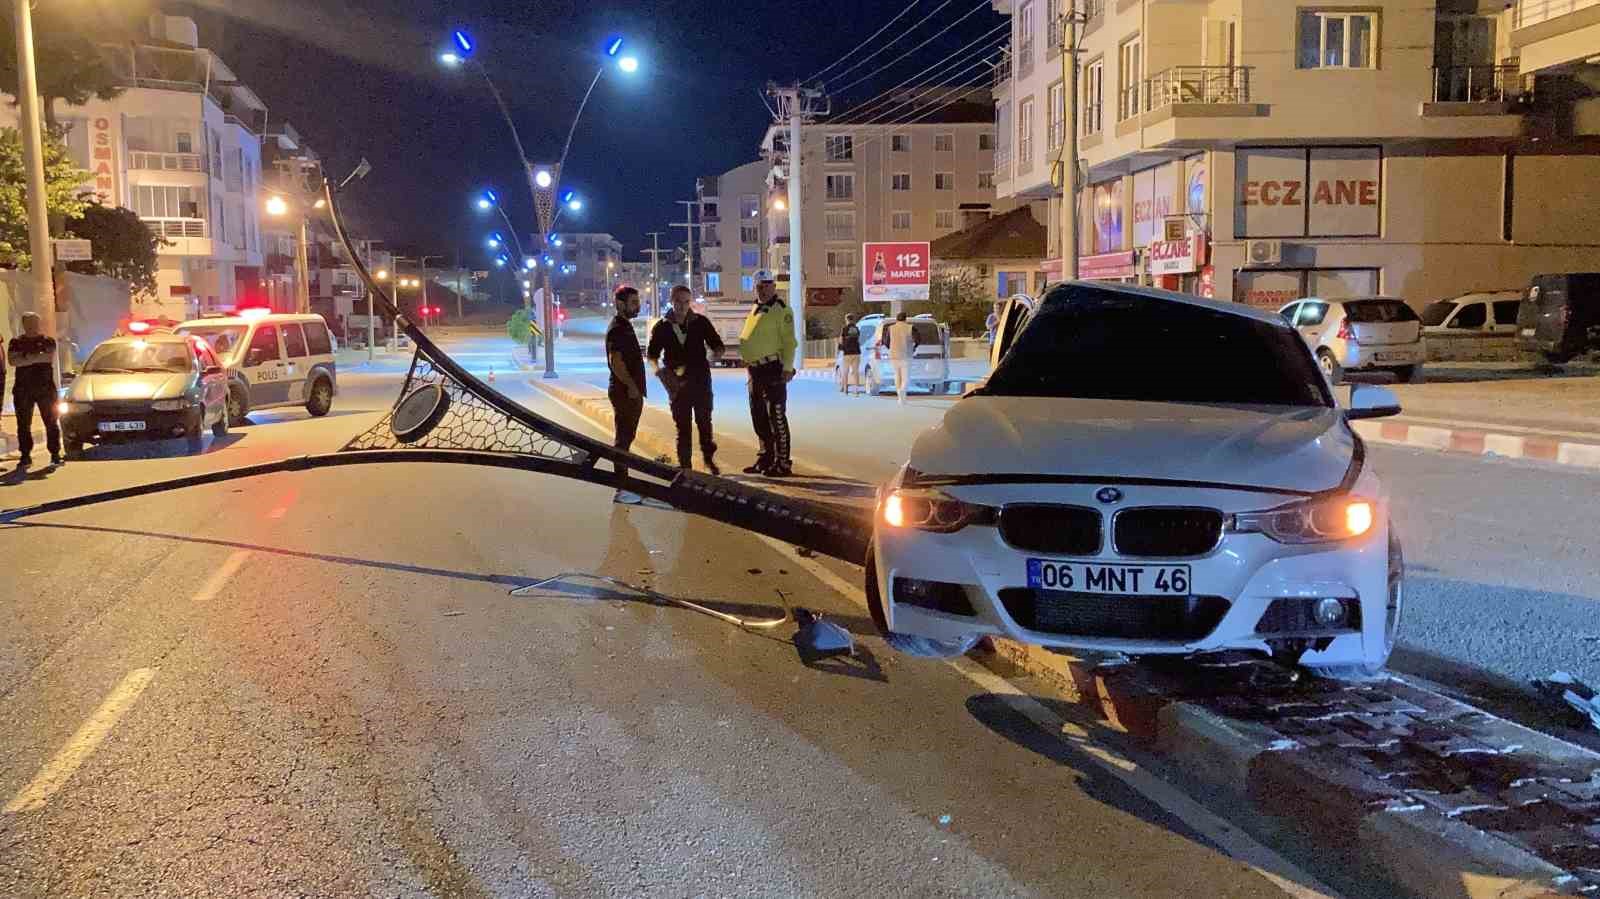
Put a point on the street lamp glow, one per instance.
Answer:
(500, 261)
(555, 240)
(543, 178)
(780, 204)
(574, 204)
(319, 204)
(277, 206)
(450, 59)
(628, 64)
(614, 45)
(381, 274)
(494, 242)
(483, 203)
(530, 263)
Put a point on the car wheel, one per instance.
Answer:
(321, 398)
(238, 406)
(1330, 366)
(1556, 358)
(1408, 374)
(196, 433)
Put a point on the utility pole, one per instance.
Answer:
(1068, 162)
(796, 106)
(655, 269)
(689, 206)
(44, 293)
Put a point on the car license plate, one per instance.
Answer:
(121, 425)
(1527, 332)
(1094, 577)
(1394, 357)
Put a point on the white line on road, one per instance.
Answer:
(220, 577)
(1236, 843)
(59, 769)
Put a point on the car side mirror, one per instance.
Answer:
(1372, 401)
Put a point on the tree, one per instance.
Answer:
(124, 246)
(958, 299)
(69, 65)
(64, 194)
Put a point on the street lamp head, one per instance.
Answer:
(530, 263)
(543, 178)
(463, 42)
(276, 205)
(614, 45)
(628, 64)
(780, 204)
(381, 274)
(574, 204)
(488, 200)
(500, 261)
(450, 59)
(494, 241)
(321, 203)
(483, 203)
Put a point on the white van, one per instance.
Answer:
(273, 360)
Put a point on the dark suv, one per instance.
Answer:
(1560, 316)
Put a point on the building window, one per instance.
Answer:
(842, 262)
(750, 258)
(1130, 66)
(840, 187)
(900, 181)
(185, 142)
(900, 143)
(1052, 24)
(747, 283)
(944, 218)
(944, 143)
(154, 202)
(1334, 39)
(709, 211)
(749, 234)
(840, 225)
(600, 256)
(838, 148)
(713, 282)
(709, 237)
(1058, 115)
(216, 155)
(1024, 133)
(1094, 84)
(900, 221)
(944, 181)
(749, 206)
(986, 140)
(986, 180)
(1024, 53)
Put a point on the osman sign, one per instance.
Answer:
(1308, 192)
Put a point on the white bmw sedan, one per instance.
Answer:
(1144, 472)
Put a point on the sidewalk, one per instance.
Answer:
(1551, 419)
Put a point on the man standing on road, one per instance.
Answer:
(626, 390)
(850, 349)
(33, 355)
(899, 337)
(681, 347)
(767, 345)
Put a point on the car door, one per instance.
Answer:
(1014, 314)
(296, 364)
(263, 369)
(213, 381)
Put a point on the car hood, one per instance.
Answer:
(1272, 447)
(89, 388)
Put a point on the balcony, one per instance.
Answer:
(1002, 69)
(1478, 90)
(165, 162)
(1547, 34)
(1182, 85)
(1196, 104)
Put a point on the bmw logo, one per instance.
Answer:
(1108, 495)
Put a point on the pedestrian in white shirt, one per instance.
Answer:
(900, 338)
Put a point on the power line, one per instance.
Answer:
(916, 95)
(989, 43)
(910, 6)
(868, 58)
(976, 9)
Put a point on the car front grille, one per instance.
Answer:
(1175, 618)
(1166, 532)
(1059, 530)
(121, 407)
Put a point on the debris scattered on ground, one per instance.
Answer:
(804, 552)
(1575, 693)
(453, 613)
(819, 638)
(752, 571)
(783, 571)
(944, 820)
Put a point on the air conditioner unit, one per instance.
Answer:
(1264, 252)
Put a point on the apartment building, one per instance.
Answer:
(734, 238)
(1549, 36)
(585, 267)
(913, 165)
(1260, 150)
(181, 147)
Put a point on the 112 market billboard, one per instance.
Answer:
(895, 271)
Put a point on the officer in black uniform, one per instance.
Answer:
(33, 355)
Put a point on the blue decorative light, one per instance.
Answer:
(614, 45)
(463, 42)
(567, 196)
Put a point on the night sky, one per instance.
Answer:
(360, 78)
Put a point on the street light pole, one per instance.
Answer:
(33, 161)
(1069, 174)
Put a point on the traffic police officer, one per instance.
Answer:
(767, 344)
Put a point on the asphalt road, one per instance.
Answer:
(1504, 564)
(318, 684)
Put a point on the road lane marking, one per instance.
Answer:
(1233, 841)
(59, 769)
(222, 575)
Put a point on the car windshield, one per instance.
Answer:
(1127, 347)
(1436, 313)
(139, 355)
(1378, 311)
(224, 339)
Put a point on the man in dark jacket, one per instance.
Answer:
(850, 349)
(681, 347)
(33, 355)
(626, 390)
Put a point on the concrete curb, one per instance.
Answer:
(1421, 848)
(1481, 442)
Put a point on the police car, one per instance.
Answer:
(274, 360)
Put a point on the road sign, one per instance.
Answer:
(895, 271)
(73, 250)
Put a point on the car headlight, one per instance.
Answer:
(1322, 520)
(177, 405)
(63, 407)
(930, 510)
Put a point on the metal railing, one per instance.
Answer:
(1024, 155)
(1198, 84)
(145, 160)
(1058, 133)
(171, 227)
(1002, 161)
(1002, 68)
(1478, 84)
(1532, 12)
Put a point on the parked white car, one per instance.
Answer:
(1360, 334)
(1484, 312)
(1145, 472)
(930, 361)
